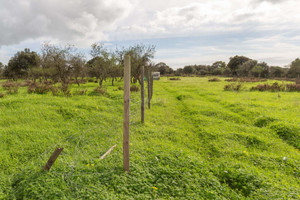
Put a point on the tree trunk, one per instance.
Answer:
(112, 81)
(76, 79)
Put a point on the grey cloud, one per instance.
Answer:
(59, 19)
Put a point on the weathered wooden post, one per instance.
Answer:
(52, 158)
(151, 85)
(149, 90)
(142, 96)
(126, 113)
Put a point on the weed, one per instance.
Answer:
(233, 87)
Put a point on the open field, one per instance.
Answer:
(198, 142)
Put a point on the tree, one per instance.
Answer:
(163, 68)
(19, 65)
(266, 69)
(141, 55)
(294, 70)
(235, 62)
(56, 62)
(78, 63)
(99, 66)
(276, 71)
(188, 69)
(1, 69)
(257, 71)
(245, 68)
(217, 68)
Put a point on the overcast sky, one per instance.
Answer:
(183, 31)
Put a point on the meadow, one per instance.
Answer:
(198, 142)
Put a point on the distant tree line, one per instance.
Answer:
(60, 64)
(63, 64)
(241, 66)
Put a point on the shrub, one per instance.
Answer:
(55, 91)
(65, 90)
(80, 92)
(39, 88)
(252, 80)
(11, 87)
(275, 87)
(2, 95)
(26, 83)
(214, 80)
(231, 80)
(233, 87)
(99, 91)
(134, 88)
(175, 79)
(293, 87)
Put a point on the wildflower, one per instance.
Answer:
(155, 188)
(284, 158)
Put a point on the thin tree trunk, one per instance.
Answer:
(77, 81)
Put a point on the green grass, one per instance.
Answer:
(198, 142)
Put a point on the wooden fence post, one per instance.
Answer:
(151, 85)
(149, 90)
(126, 113)
(142, 96)
(52, 158)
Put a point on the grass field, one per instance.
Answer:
(198, 142)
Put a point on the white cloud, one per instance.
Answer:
(76, 21)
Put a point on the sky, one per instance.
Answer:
(185, 32)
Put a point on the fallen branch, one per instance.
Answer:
(52, 159)
(112, 148)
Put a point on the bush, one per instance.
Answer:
(11, 87)
(174, 79)
(231, 80)
(233, 87)
(134, 88)
(252, 80)
(275, 87)
(214, 80)
(99, 91)
(26, 83)
(39, 88)
(80, 92)
(293, 87)
(65, 90)
(2, 95)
